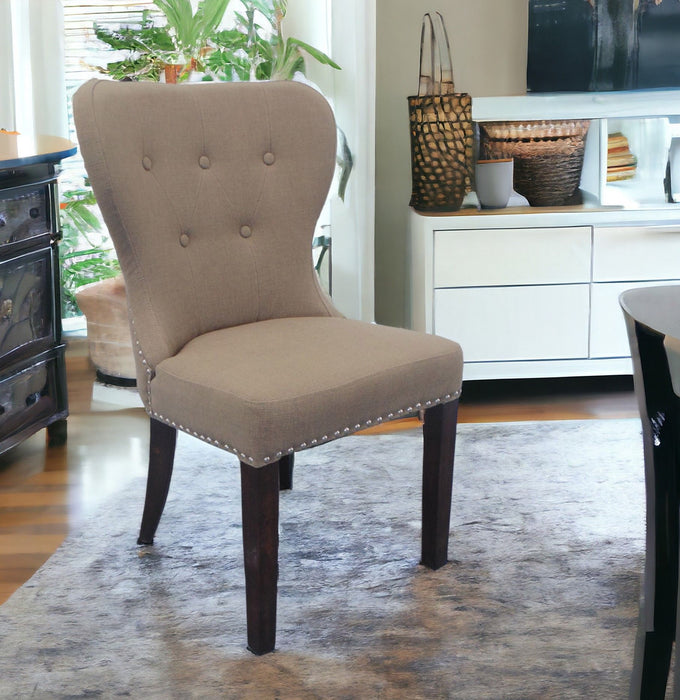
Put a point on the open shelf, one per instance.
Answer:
(649, 119)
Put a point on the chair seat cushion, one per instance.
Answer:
(266, 389)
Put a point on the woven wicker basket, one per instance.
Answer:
(548, 157)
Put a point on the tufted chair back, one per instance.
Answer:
(224, 217)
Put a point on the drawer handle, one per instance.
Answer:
(34, 212)
(32, 398)
(6, 309)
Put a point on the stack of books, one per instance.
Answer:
(621, 163)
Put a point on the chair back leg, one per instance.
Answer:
(439, 442)
(162, 442)
(260, 510)
(286, 464)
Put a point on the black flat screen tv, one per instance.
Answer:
(600, 45)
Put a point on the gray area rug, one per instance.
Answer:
(540, 599)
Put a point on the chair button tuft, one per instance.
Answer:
(246, 232)
(184, 240)
(146, 163)
(204, 162)
(268, 158)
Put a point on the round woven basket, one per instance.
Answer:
(548, 156)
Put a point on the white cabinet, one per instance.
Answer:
(533, 291)
(536, 300)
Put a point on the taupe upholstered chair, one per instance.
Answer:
(211, 193)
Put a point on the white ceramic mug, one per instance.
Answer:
(493, 180)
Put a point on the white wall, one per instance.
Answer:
(488, 46)
(6, 68)
(47, 60)
(32, 89)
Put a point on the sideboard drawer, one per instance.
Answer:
(490, 257)
(515, 323)
(31, 393)
(631, 253)
(24, 213)
(608, 333)
(26, 303)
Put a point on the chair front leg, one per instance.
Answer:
(162, 442)
(260, 510)
(439, 442)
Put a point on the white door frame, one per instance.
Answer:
(346, 30)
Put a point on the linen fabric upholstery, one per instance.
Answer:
(283, 385)
(211, 193)
(177, 224)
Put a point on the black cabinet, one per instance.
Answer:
(32, 369)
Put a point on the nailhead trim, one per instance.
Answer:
(301, 446)
(149, 372)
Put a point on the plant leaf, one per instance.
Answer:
(179, 15)
(320, 56)
(209, 15)
(345, 161)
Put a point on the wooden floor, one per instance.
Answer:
(45, 494)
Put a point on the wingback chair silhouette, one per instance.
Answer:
(211, 193)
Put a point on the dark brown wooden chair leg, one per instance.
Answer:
(286, 472)
(161, 457)
(260, 508)
(57, 433)
(439, 438)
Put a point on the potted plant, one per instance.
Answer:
(252, 51)
(85, 251)
(91, 283)
(175, 48)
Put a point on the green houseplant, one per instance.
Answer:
(175, 36)
(176, 46)
(85, 250)
(252, 51)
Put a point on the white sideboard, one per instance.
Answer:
(533, 292)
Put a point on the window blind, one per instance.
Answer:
(82, 51)
(81, 48)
